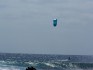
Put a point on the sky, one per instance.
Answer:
(26, 27)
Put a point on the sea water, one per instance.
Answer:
(12, 61)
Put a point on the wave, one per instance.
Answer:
(53, 64)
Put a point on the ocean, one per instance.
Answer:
(13, 61)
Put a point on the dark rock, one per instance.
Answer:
(30, 68)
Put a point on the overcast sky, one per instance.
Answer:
(26, 26)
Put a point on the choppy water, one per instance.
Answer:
(45, 62)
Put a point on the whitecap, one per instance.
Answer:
(50, 64)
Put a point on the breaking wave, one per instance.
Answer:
(9, 65)
(45, 62)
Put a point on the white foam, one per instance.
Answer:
(8, 68)
(50, 64)
(64, 60)
(31, 63)
(2, 62)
